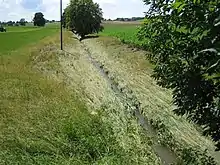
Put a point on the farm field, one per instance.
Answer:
(17, 37)
(125, 32)
(77, 106)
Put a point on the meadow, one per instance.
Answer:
(44, 121)
(17, 37)
(125, 32)
(41, 120)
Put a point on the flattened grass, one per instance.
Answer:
(42, 121)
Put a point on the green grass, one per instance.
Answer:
(41, 120)
(170, 127)
(18, 37)
(21, 28)
(126, 32)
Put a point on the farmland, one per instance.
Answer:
(125, 32)
(17, 37)
(60, 107)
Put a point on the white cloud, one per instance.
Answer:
(15, 9)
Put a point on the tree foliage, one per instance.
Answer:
(184, 38)
(83, 16)
(22, 22)
(39, 19)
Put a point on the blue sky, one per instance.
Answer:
(16, 9)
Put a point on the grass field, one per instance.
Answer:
(125, 32)
(40, 122)
(17, 37)
(56, 108)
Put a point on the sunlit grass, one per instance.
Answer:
(125, 32)
(42, 121)
(10, 41)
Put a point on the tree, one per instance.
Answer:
(84, 17)
(39, 19)
(10, 23)
(64, 20)
(22, 22)
(184, 39)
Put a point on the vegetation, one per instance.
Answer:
(183, 37)
(39, 19)
(42, 121)
(19, 37)
(130, 19)
(122, 62)
(22, 22)
(127, 33)
(2, 29)
(196, 79)
(84, 17)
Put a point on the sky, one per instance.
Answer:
(16, 9)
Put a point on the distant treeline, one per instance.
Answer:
(127, 19)
(22, 22)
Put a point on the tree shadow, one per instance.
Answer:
(88, 37)
(84, 38)
(74, 37)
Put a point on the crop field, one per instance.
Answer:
(17, 37)
(125, 32)
(77, 106)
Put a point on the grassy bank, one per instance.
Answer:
(129, 66)
(42, 121)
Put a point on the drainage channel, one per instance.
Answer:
(166, 155)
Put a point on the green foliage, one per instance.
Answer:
(22, 22)
(2, 29)
(184, 38)
(84, 17)
(10, 23)
(39, 19)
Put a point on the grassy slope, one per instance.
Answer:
(173, 129)
(43, 122)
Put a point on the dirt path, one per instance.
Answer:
(113, 78)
